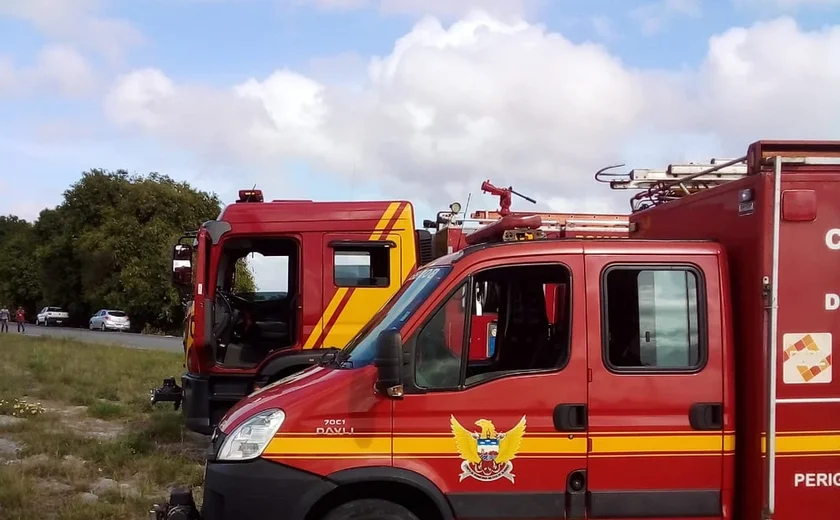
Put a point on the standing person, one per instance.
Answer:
(20, 318)
(4, 319)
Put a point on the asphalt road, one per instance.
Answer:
(126, 339)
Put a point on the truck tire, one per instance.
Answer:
(370, 509)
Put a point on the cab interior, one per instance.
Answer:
(250, 325)
(519, 322)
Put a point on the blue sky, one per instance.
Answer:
(77, 91)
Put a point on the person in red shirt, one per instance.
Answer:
(20, 318)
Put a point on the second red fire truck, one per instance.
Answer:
(683, 373)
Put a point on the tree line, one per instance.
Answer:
(107, 245)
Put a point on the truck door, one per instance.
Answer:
(361, 272)
(501, 430)
(199, 343)
(656, 389)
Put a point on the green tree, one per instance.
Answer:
(243, 277)
(19, 283)
(108, 245)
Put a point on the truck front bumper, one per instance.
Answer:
(253, 490)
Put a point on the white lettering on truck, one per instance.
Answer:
(832, 239)
(816, 480)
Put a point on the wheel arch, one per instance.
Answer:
(401, 486)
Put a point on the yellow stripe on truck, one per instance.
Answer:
(328, 312)
(659, 444)
(364, 302)
(408, 243)
(793, 443)
(342, 291)
(299, 445)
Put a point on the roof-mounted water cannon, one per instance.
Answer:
(504, 195)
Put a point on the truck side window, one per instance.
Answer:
(440, 344)
(527, 307)
(362, 267)
(652, 318)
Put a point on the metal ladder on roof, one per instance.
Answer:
(673, 182)
(556, 222)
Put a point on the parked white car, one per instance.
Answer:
(52, 316)
(108, 319)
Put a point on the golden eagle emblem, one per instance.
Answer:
(487, 454)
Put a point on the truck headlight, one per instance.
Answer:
(251, 437)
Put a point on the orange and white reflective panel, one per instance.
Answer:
(807, 358)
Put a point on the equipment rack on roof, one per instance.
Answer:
(674, 182)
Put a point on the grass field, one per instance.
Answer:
(78, 436)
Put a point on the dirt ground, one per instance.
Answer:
(78, 436)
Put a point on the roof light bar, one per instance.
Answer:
(250, 196)
(522, 235)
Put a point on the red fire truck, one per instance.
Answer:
(644, 391)
(340, 262)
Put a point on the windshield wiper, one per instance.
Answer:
(327, 358)
(341, 359)
(335, 358)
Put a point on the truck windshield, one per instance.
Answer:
(362, 348)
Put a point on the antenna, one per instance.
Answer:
(466, 207)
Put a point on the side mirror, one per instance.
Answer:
(182, 264)
(388, 362)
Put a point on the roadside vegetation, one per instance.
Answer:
(107, 245)
(79, 438)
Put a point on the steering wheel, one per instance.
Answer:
(237, 306)
(233, 300)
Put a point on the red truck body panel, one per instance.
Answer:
(808, 433)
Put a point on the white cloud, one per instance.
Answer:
(771, 80)
(56, 68)
(76, 21)
(451, 106)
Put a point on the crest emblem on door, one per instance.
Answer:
(487, 454)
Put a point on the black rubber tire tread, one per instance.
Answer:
(370, 509)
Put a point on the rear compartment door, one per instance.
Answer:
(808, 388)
(360, 273)
(656, 387)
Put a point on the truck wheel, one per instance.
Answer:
(370, 509)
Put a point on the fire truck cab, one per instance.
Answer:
(684, 372)
(335, 264)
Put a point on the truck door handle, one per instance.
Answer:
(706, 416)
(570, 417)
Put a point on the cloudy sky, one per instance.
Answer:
(422, 99)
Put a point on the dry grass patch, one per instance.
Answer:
(93, 448)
